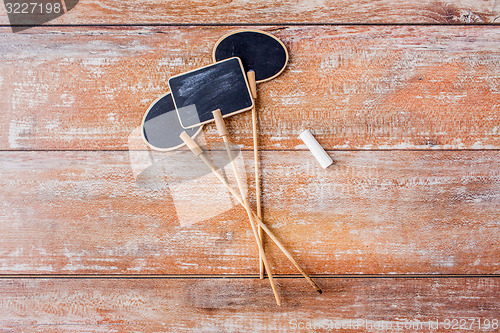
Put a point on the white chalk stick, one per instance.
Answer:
(318, 152)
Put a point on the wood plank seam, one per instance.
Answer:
(248, 276)
(264, 24)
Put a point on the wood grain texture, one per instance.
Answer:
(354, 87)
(403, 212)
(220, 305)
(277, 12)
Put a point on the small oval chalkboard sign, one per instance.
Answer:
(161, 128)
(259, 51)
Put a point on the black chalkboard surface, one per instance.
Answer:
(259, 51)
(222, 85)
(160, 126)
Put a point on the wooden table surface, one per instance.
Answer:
(401, 232)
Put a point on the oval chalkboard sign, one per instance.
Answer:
(161, 128)
(258, 50)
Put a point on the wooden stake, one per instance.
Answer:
(221, 127)
(253, 90)
(199, 153)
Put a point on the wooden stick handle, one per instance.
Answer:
(220, 123)
(195, 149)
(191, 144)
(253, 90)
(221, 126)
(260, 222)
(252, 83)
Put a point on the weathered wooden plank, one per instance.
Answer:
(235, 305)
(277, 12)
(354, 87)
(381, 212)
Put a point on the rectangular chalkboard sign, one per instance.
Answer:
(222, 85)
